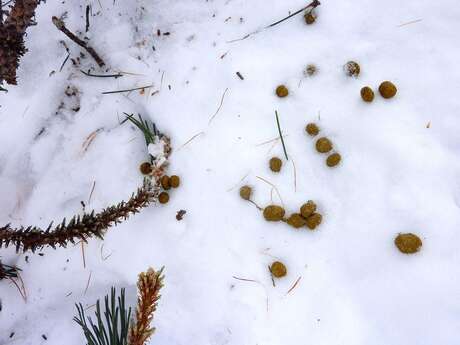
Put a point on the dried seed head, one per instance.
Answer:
(165, 182)
(314, 220)
(387, 89)
(274, 213)
(310, 17)
(333, 160)
(245, 192)
(282, 91)
(311, 70)
(367, 94)
(145, 168)
(352, 69)
(275, 164)
(296, 220)
(307, 209)
(163, 198)
(323, 145)
(278, 270)
(408, 243)
(312, 129)
(174, 181)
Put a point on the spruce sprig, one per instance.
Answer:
(80, 227)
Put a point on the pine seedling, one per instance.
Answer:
(7, 271)
(112, 326)
(147, 128)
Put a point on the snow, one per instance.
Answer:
(398, 173)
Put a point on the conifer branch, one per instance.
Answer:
(80, 227)
(12, 32)
(149, 285)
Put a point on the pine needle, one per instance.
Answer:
(281, 135)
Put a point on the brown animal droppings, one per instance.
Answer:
(367, 94)
(245, 192)
(310, 17)
(275, 164)
(323, 145)
(408, 243)
(278, 269)
(296, 220)
(314, 220)
(163, 198)
(333, 160)
(352, 69)
(165, 182)
(307, 209)
(174, 181)
(311, 70)
(282, 91)
(274, 213)
(312, 129)
(145, 168)
(387, 89)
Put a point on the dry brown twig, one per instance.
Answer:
(60, 25)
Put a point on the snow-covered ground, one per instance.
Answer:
(400, 170)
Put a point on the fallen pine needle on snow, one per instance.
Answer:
(281, 134)
(128, 90)
(271, 184)
(295, 176)
(87, 283)
(411, 22)
(246, 280)
(188, 141)
(220, 106)
(89, 139)
(294, 286)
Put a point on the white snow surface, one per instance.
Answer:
(400, 171)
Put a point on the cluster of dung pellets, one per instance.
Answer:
(324, 145)
(386, 89)
(306, 217)
(167, 182)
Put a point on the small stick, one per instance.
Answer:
(240, 75)
(313, 5)
(281, 135)
(60, 25)
(220, 106)
(87, 18)
(88, 74)
(128, 90)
